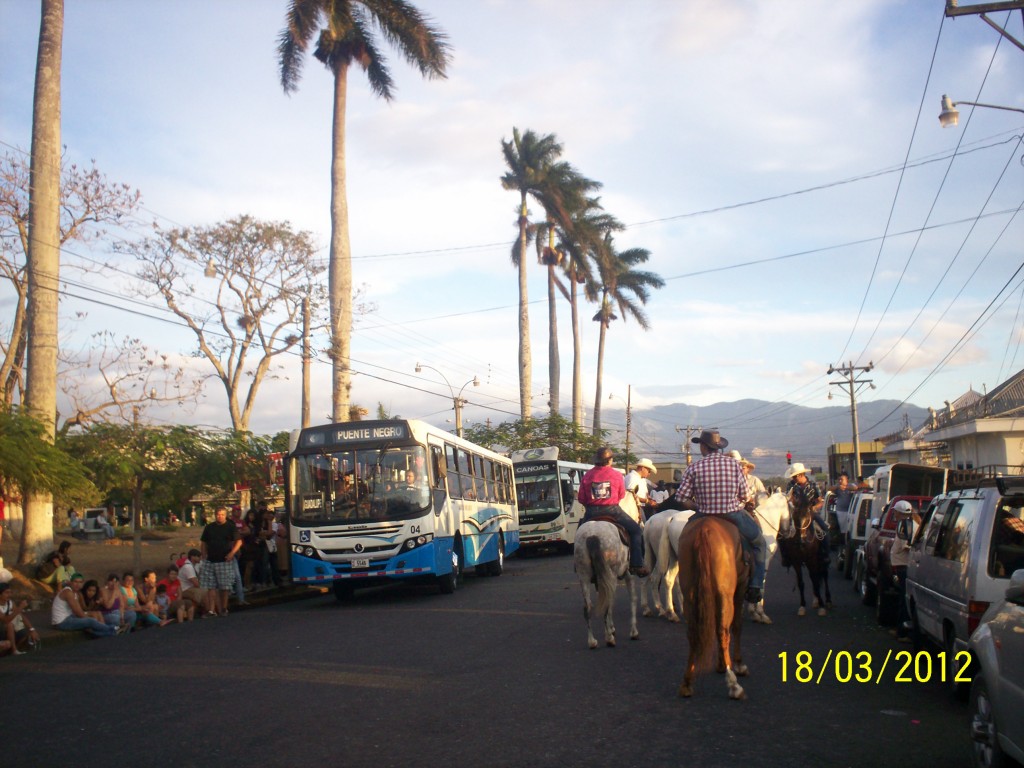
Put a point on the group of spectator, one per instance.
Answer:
(235, 554)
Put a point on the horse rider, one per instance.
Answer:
(601, 490)
(715, 485)
(754, 484)
(637, 484)
(802, 492)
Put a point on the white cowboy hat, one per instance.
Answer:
(649, 464)
(797, 469)
(743, 462)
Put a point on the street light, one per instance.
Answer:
(457, 399)
(950, 116)
(629, 397)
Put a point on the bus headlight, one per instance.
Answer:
(417, 541)
(309, 552)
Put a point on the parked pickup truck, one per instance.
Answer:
(873, 574)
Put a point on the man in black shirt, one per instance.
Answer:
(220, 543)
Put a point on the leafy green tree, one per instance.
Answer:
(344, 34)
(574, 443)
(626, 288)
(30, 463)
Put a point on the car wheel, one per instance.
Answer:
(886, 608)
(498, 565)
(867, 589)
(985, 749)
(916, 637)
(448, 582)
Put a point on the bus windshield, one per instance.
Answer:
(360, 486)
(538, 496)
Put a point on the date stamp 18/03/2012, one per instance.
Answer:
(865, 667)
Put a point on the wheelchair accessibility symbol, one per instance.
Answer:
(304, 537)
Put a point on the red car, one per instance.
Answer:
(873, 576)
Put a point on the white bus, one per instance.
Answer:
(372, 501)
(546, 488)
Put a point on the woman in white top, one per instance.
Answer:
(67, 614)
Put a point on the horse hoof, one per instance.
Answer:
(741, 670)
(674, 618)
(648, 613)
(610, 643)
(685, 691)
(822, 612)
(802, 611)
(737, 694)
(815, 603)
(591, 644)
(634, 635)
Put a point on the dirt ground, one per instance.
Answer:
(96, 559)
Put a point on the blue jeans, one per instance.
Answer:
(93, 627)
(752, 539)
(636, 533)
(239, 586)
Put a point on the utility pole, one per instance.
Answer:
(690, 432)
(629, 419)
(305, 361)
(852, 385)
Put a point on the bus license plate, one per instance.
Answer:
(361, 562)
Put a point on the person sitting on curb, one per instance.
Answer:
(67, 615)
(191, 591)
(18, 630)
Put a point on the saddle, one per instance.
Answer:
(623, 536)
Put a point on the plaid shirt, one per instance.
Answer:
(716, 483)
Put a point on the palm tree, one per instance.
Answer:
(627, 288)
(43, 262)
(577, 247)
(346, 36)
(529, 157)
(564, 195)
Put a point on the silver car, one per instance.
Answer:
(997, 691)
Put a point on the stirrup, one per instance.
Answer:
(754, 595)
(638, 570)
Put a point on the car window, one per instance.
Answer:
(1006, 553)
(954, 539)
(935, 527)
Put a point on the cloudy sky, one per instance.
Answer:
(782, 161)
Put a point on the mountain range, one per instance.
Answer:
(761, 431)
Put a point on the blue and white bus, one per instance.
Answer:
(546, 488)
(372, 501)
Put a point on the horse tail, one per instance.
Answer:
(602, 574)
(706, 603)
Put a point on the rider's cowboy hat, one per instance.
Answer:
(649, 464)
(797, 469)
(711, 439)
(743, 462)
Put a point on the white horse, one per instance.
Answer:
(600, 557)
(661, 538)
(772, 514)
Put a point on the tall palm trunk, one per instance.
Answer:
(43, 263)
(340, 264)
(554, 367)
(600, 374)
(577, 353)
(525, 362)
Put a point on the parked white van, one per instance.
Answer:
(968, 544)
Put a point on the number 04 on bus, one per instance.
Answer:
(372, 501)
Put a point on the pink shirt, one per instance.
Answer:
(602, 486)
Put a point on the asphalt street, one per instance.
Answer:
(497, 674)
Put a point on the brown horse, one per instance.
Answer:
(802, 548)
(714, 578)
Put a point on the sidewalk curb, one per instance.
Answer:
(50, 637)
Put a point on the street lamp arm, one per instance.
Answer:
(950, 116)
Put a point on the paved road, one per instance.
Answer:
(497, 674)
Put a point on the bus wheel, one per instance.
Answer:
(497, 566)
(343, 591)
(449, 581)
